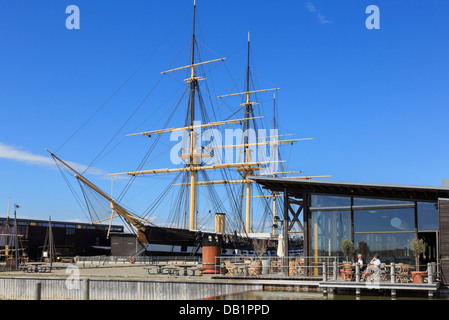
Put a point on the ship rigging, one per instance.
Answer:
(228, 189)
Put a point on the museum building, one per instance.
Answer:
(377, 218)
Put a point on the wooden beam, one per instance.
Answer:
(198, 168)
(192, 65)
(246, 92)
(259, 143)
(199, 126)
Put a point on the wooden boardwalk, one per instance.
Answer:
(431, 288)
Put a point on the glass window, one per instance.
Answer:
(427, 216)
(392, 220)
(328, 229)
(385, 227)
(371, 201)
(391, 247)
(330, 201)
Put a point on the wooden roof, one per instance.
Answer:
(299, 187)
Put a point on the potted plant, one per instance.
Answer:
(418, 247)
(348, 248)
(260, 246)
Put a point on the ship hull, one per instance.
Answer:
(182, 242)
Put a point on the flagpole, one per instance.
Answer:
(50, 234)
(17, 242)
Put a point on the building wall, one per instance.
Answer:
(443, 208)
(123, 245)
(70, 239)
(381, 226)
(74, 289)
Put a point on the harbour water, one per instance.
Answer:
(285, 295)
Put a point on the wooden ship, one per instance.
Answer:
(188, 238)
(11, 246)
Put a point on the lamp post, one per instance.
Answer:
(285, 230)
(16, 236)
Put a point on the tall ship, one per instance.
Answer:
(210, 197)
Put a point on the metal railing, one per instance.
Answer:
(298, 267)
(109, 260)
(392, 273)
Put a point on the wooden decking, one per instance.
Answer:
(431, 288)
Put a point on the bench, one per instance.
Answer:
(172, 271)
(194, 270)
(189, 267)
(43, 269)
(34, 268)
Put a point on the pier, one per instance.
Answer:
(153, 278)
(389, 277)
(327, 274)
(120, 280)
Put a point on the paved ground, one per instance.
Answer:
(124, 271)
(137, 271)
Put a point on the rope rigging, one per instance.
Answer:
(229, 202)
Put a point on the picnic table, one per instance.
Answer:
(172, 270)
(192, 268)
(39, 268)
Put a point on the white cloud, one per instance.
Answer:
(321, 18)
(310, 7)
(18, 154)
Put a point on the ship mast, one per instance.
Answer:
(193, 85)
(194, 156)
(249, 171)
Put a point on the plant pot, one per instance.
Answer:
(418, 276)
(265, 266)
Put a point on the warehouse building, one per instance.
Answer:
(69, 238)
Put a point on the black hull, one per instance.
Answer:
(182, 242)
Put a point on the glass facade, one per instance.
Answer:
(328, 231)
(385, 227)
(427, 216)
(385, 220)
(391, 247)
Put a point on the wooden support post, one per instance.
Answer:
(392, 273)
(285, 231)
(430, 273)
(285, 222)
(324, 271)
(37, 291)
(334, 269)
(86, 289)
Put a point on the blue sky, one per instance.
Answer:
(375, 101)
